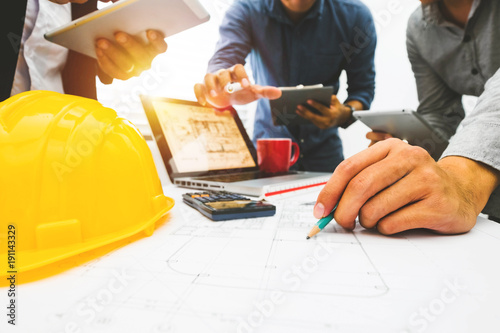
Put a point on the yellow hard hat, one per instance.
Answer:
(73, 177)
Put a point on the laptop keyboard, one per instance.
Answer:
(238, 177)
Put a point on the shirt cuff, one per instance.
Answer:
(478, 142)
(481, 143)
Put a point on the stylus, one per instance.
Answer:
(233, 87)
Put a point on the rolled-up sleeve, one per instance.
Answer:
(438, 104)
(235, 41)
(479, 138)
(360, 69)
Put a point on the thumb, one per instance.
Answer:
(334, 100)
(200, 92)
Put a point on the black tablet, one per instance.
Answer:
(283, 109)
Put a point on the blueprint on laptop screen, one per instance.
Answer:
(202, 139)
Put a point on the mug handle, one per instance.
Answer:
(296, 153)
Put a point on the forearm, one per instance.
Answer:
(357, 105)
(223, 61)
(475, 179)
(478, 140)
(361, 69)
(347, 118)
(235, 39)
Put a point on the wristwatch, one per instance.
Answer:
(351, 119)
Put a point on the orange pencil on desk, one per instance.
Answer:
(322, 223)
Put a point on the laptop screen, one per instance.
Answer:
(199, 140)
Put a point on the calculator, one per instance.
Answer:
(222, 206)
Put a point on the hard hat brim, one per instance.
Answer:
(27, 261)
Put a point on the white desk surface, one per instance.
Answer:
(261, 275)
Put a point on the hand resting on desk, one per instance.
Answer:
(394, 186)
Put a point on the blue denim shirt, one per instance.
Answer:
(335, 35)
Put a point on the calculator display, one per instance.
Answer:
(231, 204)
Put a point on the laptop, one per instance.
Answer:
(207, 149)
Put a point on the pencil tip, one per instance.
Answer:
(308, 237)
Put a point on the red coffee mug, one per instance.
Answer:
(274, 155)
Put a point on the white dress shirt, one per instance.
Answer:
(41, 62)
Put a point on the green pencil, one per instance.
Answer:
(322, 223)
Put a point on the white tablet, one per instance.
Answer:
(131, 16)
(406, 125)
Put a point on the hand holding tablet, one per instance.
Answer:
(133, 17)
(125, 37)
(284, 109)
(126, 56)
(325, 116)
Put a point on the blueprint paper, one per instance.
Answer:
(262, 275)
